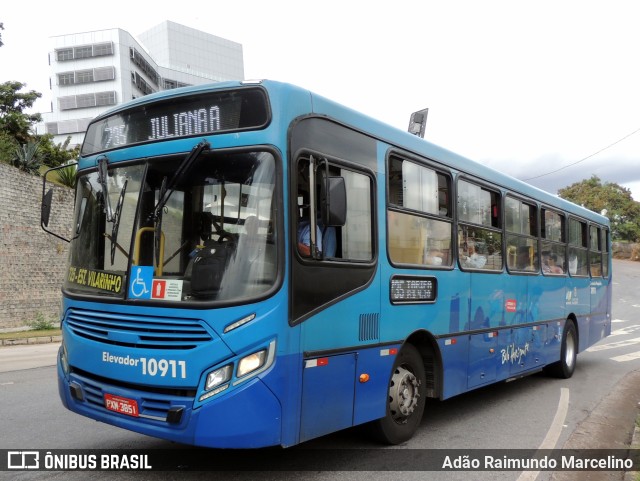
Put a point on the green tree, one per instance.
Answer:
(53, 154)
(8, 147)
(616, 201)
(1, 28)
(13, 103)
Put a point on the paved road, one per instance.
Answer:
(13, 358)
(595, 408)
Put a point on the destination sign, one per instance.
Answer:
(103, 280)
(413, 289)
(176, 117)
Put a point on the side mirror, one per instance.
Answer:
(47, 205)
(45, 209)
(333, 201)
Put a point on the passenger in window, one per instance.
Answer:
(524, 262)
(433, 257)
(470, 257)
(325, 238)
(549, 263)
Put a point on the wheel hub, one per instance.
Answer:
(403, 394)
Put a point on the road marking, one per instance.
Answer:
(625, 330)
(614, 345)
(554, 432)
(627, 357)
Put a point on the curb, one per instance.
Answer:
(635, 444)
(30, 340)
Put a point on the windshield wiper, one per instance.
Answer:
(116, 223)
(167, 189)
(102, 180)
(183, 168)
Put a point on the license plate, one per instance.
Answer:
(121, 405)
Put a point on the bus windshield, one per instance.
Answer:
(211, 236)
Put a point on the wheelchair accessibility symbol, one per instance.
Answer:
(140, 282)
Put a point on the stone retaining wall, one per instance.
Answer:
(32, 262)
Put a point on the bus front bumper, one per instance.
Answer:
(250, 417)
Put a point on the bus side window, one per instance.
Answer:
(419, 215)
(351, 241)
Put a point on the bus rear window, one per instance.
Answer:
(176, 117)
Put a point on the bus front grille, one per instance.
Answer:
(137, 331)
(155, 405)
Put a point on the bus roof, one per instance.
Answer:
(280, 92)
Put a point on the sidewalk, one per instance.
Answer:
(611, 425)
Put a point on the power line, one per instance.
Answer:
(587, 157)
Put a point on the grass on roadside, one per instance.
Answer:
(30, 333)
(40, 326)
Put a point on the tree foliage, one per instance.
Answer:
(13, 103)
(612, 199)
(53, 154)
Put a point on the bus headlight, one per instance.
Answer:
(217, 377)
(64, 359)
(251, 362)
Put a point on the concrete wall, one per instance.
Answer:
(32, 262)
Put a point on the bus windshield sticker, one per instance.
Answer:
(167, 289)
(140, 283)
(106, 281)
(413, 289)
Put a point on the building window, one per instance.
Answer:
(106, 98)
(52, 128)
(64, 54)
(83, 52)
(86, 100)
(141, 83)
(67, 103)
(100, 49)
(84, 76)
(104, 73)
(168, 84)
(145, 66)
(66, 78)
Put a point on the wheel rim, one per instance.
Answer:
(403, 394)
(570, 350)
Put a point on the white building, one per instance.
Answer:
(93, 71)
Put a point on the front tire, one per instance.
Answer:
(565, 367)
(406, 399)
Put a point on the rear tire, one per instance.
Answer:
(565, 367)
(406, 399)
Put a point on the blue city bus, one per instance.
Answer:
(254, 265)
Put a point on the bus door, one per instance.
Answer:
(334, 293)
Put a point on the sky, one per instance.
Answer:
(545, 91)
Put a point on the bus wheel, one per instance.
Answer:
(406, 399)
(568, 353)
